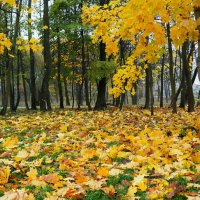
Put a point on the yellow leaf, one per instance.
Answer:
(63, 128)
(45, 27)
(32, 174)
(103, 171)
(143, 185)
(131, 192)
(21, 155)
(11, 142)
(4, 175)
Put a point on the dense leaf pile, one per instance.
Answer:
(100, 155)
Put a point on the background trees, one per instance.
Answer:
(141, 57)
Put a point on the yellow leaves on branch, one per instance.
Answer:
(24, 44)
(10, 2)
(143, 24)
(4, 43)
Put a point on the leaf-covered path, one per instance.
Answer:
(100, 155)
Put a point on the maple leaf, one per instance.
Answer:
(103, 171)
(21, 155)
(4, 175)
(10, 143)
(32, 174)
(51, 178)
(131, 192)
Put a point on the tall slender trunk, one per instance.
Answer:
(66, 92)
(6, 90)
(190, 95)
(197, 16)
(171, 71)
(45, 102)
(84, 70)
(23, 81)
(135, 96)
(18, 81)
(147, 94)
(32, 62)
(151, 90)
(101, 96)
(162, 81)
(59, 71)
(11, 66)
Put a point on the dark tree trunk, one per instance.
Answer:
(6, 77)
(162, 81)
(14, 40)
(190, 95)
(32, 63)
(59, 71)
(147, 84)
(18, 81)
(151, 90)
(66, 92)
(24, 81)
(72, 94)
(6, 89)
(197, 16)
(45, 102)
(171, 71)
(135, 96)
(84, 70)
(101, 96)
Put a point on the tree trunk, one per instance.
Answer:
(32, 63)
(45, 102)
(147, 95)
(101, 96)
(135, 96)
(151, 90)
(6, 91)
(24, 81)
(190, 94)
(171, 71)
(59, 71)
(162, 81)
(197, 16)
(18, 81)
(66, 92)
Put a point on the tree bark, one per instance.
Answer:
(59, 71)
(32, 63)
(197, 16)
(171, 71)
(101, 96)
(45, 102)
(162, 81)
(147, 94)
(190, 95)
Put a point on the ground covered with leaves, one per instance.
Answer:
(104, 155)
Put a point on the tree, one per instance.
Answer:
(44, 92)
(113, 22)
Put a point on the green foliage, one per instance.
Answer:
(181, 181)
(41, 194)
(100, 69)
(1, 193)
(97, 195)
(179, 197)
(141, 195)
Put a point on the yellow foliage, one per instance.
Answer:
(4, 175)
(126, 21)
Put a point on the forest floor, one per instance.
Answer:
(104, 155)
